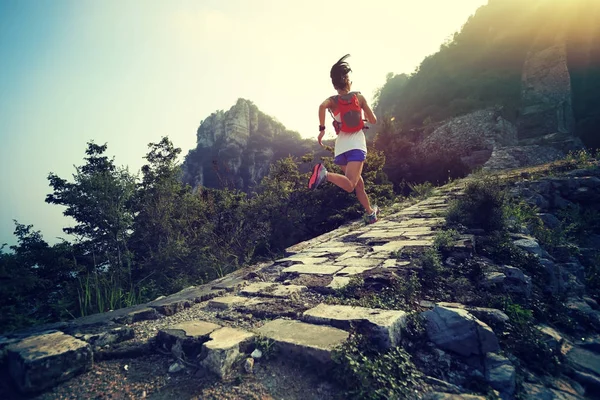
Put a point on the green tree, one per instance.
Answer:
(100, 200)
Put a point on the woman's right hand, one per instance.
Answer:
(320, 139)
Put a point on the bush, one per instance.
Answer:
(368, 374)
(482, 206)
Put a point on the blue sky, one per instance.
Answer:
(127, 72)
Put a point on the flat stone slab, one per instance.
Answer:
(192, 329)
(183, 299)
(400, 244)
(336, 247)
(423, 222)
(347, 271)
(392, 262)
(385, 326)
(127, 315)
(339, 282)
(315, 253)
(313, 269)
(186, 338)
(40, 362)
(303, 259)
(226, 302)
(313, 342)
(271, 289)
(359, 262)
(382, 234)
(224, 347)
(229, 283)
(349, 254)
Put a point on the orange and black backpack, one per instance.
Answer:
(350, 112)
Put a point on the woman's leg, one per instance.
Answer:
(352, 180)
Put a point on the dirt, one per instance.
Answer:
(147, 377)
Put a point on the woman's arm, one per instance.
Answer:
(368, 112)
(322, 108)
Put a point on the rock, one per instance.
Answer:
(532, 391)
(339, 282)
(384, 326)
(185, 338)
(546, 98)
(584, 360)
(530, 245)
(269, 289)
(311, 342)
(115, 335)
(554, 274)
(40, 362)
(592, 344)
(549, 220)
(249, 365)
(318, 269)
(551, 337)
(176, 367)
(185, 298)
(459, 331)
(222, 349)
(136, 315)
(470, 137)
(227, 302)
(441, 385)
(516, 281)
(500, 373)
(229, 283)
(591, 302)
(493, 278)
(582, 310)
(490, 316)
(256, 354)
(590, 381)
(451, 396)
(244, 140)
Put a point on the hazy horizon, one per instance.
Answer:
(128, 73)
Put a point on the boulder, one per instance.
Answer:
(500, 373)
(384, 326)
(224, 347)
(458, 331)
(42, 361)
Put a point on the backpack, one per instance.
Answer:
(350, 113)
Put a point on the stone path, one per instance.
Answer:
(282, 299)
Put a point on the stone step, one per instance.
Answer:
(184, 340)
(205, 344)
(318, 269)
(384, 326)
(227, 302)
(42, 361)
(224, 347)
(304, 340)
(270, 289)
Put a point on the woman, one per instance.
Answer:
(350, 145)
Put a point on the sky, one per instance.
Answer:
(128, 72)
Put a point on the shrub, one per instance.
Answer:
(480, 207)
(368, 374)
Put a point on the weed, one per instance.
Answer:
(367, 373)
(445, 239)
(266, 346)
(422, 190)
(480, 207)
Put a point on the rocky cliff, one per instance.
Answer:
(236, 147)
